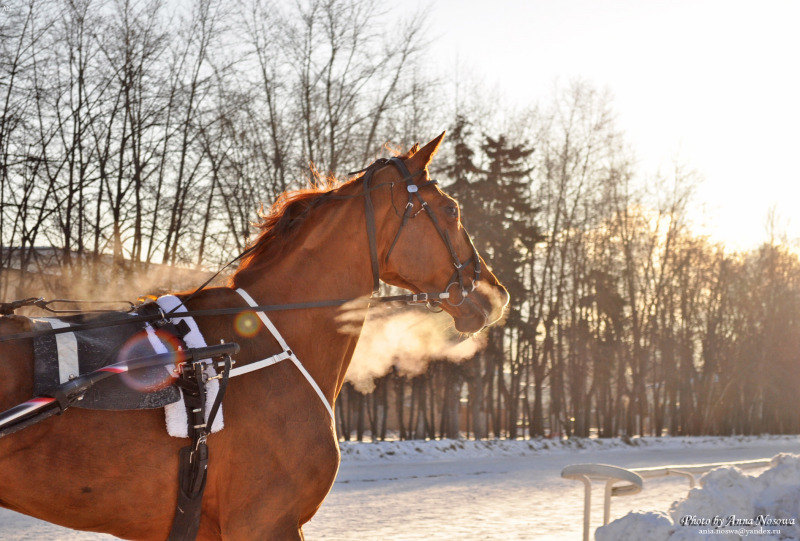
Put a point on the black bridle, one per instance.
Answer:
(457, 278)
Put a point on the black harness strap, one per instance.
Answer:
(413, 194)
(369, 211)
(410, 299)
(193, 459)
(412, 189)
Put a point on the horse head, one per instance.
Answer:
(427, 249)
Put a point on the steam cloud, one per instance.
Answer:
(409, 340)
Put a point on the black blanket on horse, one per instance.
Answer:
(60, 357)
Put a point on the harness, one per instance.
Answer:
(198, 366)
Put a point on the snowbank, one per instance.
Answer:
(416, 451)
(636, 526)
(727, 505)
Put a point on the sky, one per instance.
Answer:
(713, 84)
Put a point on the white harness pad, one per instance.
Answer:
(176, 413)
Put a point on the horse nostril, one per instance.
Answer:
(492, 299)
(506, 297)
(499, 299)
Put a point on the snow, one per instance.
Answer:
(728, 504)
(417, 451)
(449, 489)
(636, 526)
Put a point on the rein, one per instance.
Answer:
(417, 298)
(430, 299)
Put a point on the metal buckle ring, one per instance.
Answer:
(463, 294)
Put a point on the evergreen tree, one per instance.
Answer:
(462, 169)
(505, 225)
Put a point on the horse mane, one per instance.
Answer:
(279, 226)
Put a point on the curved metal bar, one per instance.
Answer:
(685, 474)
(633, 478)
(612, 474)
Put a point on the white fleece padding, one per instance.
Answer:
(67, 347)
(176, 412)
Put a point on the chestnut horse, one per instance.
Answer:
(275, 461)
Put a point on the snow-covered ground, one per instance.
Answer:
(481, 490)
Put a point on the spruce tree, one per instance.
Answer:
(507, 216)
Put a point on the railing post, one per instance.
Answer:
(585, 472)
(587, 505)
(607, 501)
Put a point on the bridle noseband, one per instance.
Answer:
(413, 190)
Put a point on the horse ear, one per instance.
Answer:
(413, 150)
(423, 156)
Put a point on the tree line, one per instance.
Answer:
(148, 132)
(623, 321)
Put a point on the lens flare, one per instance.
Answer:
(247, 324)
(150, 379)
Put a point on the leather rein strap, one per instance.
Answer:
(369, 211)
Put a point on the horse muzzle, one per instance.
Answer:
(482, 307)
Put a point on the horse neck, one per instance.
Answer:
(329, 259)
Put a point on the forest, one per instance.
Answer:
(138, 135)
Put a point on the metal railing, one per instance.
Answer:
(633, 480)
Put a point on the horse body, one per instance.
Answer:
(277, 457)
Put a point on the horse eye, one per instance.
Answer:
(451, 211)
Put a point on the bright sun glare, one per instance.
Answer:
(712, 84)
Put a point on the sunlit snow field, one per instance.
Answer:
(479, 490)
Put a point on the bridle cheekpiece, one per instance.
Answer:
(413, 190)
